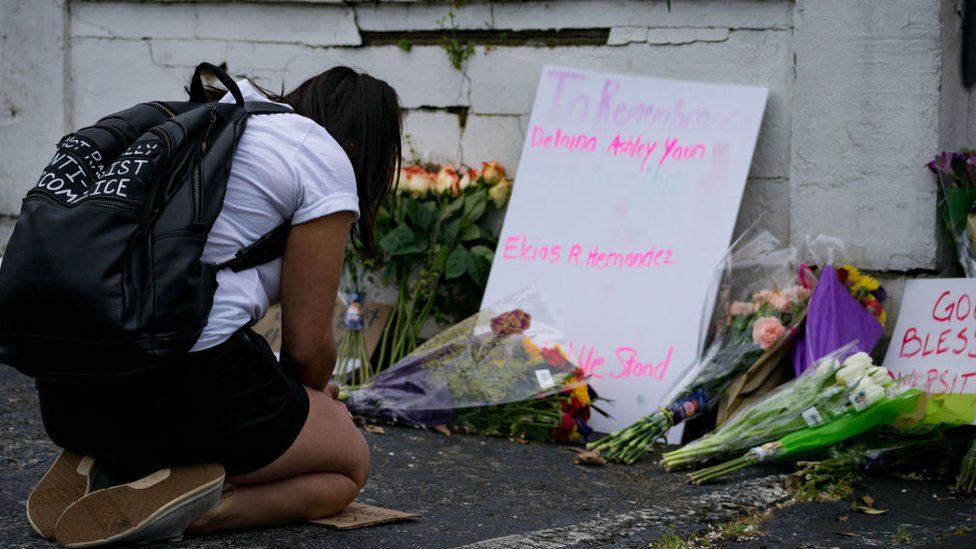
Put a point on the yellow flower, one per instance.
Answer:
(531, 349)
(866, 282)
(582, 394)
(852, 272)
(883, 317)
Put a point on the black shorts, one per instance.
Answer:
(230, 404)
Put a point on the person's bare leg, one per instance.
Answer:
(319, 475)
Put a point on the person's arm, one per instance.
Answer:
(309, 281)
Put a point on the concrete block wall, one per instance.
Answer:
(862, 93)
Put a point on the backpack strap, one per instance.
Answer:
(267, 248)
(198, 92)
(263, 107)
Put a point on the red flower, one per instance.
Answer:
(842, 276)
(515, 321)
(874, 306)
(555, 357)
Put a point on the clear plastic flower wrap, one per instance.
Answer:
(813, 398)
(753, 317)
(502, 371)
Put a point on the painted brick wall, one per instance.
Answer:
(861, 93)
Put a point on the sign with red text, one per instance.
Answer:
(625, 199)
(933, 347)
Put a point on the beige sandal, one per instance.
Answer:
(158, 507)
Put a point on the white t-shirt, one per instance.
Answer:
(286, 167)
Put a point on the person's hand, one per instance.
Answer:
(333, 390)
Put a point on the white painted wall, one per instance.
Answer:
(862, 93)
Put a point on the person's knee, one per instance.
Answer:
(362, 465)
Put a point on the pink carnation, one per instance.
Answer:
(739, 308)
(767, 331)
(801, 294)
(780, 302)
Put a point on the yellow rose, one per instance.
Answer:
(500, 193)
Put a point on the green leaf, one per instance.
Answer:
(457, 263)
(485, 252)
(474, 206)
(470, 232)
(453, 206)
(421, 214)
(440, 257)
(479, 269)
(401, 240)
(450, 231)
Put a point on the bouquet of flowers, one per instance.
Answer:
(755, 328)
(818, 396)
(353, 365)
(847, 305)
(499, 372)
(849, 425)
(437, 235)
(875, 402)
(956, 172)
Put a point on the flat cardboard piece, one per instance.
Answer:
(627, 193)
(375, 316)
(361, 515)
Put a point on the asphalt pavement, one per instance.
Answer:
(495, 493)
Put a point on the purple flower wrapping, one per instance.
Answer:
(834, 319)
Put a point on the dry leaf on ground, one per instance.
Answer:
(588, 457)
(442, 429)
(375, 429)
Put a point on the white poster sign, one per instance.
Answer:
(933, 347)
(626, 196)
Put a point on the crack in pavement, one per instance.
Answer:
(721, 505)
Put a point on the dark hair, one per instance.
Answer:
(362, 114)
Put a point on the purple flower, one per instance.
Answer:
(880, 294)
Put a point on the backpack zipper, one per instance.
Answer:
(119, 134)
(197, 182)
(114, 203)
(160, 106)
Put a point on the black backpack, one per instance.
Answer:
(103, 273)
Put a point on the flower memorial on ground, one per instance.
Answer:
(437, 236)
(499, 372)
(823, 393)
(754, 329)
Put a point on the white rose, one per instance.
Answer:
(403, 181)
(447, 181)
(466, 180)
(420, 183)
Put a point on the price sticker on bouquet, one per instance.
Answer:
(933, 347)
(545, 379)
(626, 195)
